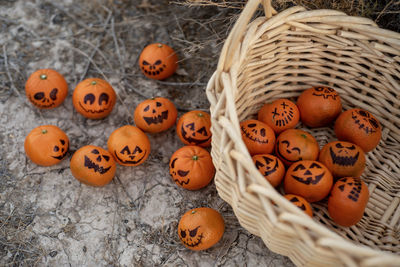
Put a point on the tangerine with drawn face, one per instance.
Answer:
(343, 159)
(270, 167)
(347, 201)
(258, 137)
(158, 61)
(359, 127)
(191, 167)
(155, 115)
(94, 98)
(300, 202)
(293, 145)
(46, 145)
(129, 145)
(319, 106)
(280, 115)
(46, 88)
(93, 165)
(309, 179)
(193, 128)
(201, 228)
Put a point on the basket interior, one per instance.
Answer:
(282, 63)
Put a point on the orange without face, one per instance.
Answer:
(201, 228)
(347, 201)
(93, 165)
(94, 98)
(280, 115)
(129, 145)
(319, 106)
(191, 167)
(309, 179)
(301, 203)
(155, 115)
(193, 128)
(46, 145)
(158, 61)
(46, 88)
(359, 127)
(258, 137)
(271, 167)
(343, 159)
(293, 145)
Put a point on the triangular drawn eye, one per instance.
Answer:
(259, 164)
(299, 167)
(147, 108)
(252, 125)
(158, 62)
(62, 142)
(145, 63)
(137, 149)
(125, 150)
(315, 165)
(267, 160)
(95, 151)
(339, 145)
(158, 104)
(173, 163)
(202, 131)
(351, 147)
(107, 158)
(193, 232)
(183, 173)
(183, 233)
(190, 126)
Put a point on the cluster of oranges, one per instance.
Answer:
(288, 155)
(190, 166)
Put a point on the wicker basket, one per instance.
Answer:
(280, 55)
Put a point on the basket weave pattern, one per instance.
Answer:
(278, 56)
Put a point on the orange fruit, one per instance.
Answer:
(258, 137)
(347, 201)
(293, 145)
(194, 128)
(201, 228)
(360, 127)
(301, 203)
(309, 179)
(158, 61)
(280, 115)
(46, 145)
(319, 106)
(271, 167)
(191, 167)
(93, 165)
(343, 159)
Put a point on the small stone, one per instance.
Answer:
(53, 253)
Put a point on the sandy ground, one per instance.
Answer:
(48, 218)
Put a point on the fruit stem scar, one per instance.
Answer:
(303, 135)
(200, 114)
(43, 76)
(93, 83)
(44, 131)
(160, 45)
(195, 157)
(193, 212)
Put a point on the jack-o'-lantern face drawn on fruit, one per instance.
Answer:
(191, 237)
(158, 61)
(270, 167)
(46, 145)
(179, 176)
(325, 92)
(193, 128)
(348, 200)
(94, 98)
(130, 156)
(129, 145)
(46, 88)
(308, 174)
(343, 159)
(365, 121)
(293, 145)
(309, 179)
(155, 115)
(93, 165)
(258, 137)
(201, 228)
(191, 167)
(280, 115)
